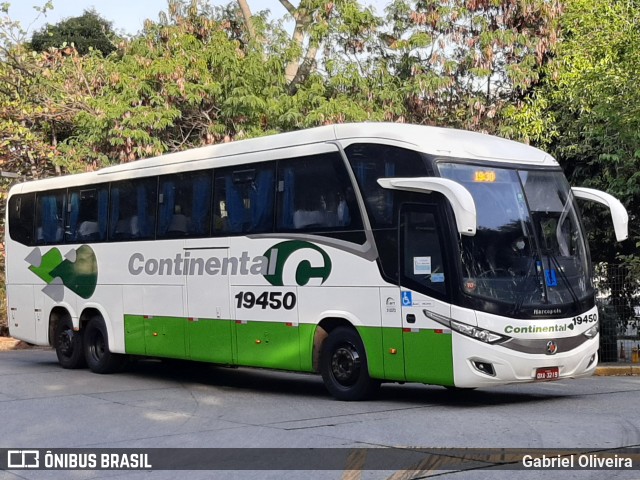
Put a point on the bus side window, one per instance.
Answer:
(315, 193)
(244, 199)
(184, 205)
(132, 209)
(21, 218)
(87, 215)
(373, 161)
(50, 208)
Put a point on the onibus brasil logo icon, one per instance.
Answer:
(77, 270)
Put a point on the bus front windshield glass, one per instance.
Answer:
(529, 249)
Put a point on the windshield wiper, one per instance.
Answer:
(532, 266)
(552, 258)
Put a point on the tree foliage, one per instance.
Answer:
(87, 32)
(587, 112)
(201, 75)
(461, 62)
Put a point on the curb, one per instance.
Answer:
(617, 370)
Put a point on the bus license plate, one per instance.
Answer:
(548, 373)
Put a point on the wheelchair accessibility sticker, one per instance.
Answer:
(407, 299)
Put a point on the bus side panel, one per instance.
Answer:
(428, 357)
(165, 337)
(210, 340)
(267, 336)
(209, 329)
(20, 311)
(134, 334)
(392, 342)
(393, 351)
(268, 344)
(360, 306)
(307, 333)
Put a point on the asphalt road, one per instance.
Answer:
(178, 405)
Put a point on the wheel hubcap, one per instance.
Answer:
(345, 365)
(65, 342)
(97, 346)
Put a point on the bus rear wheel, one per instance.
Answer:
(344, 368)
(96, 348)
(68, 344)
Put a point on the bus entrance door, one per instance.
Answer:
(424, 287)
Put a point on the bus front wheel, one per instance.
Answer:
(343, 365)
(96, 348)
(68, 344)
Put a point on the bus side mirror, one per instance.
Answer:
(464, 208)
(618, 212)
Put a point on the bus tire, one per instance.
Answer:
(68, 344)
(96, 348)
(344, 368)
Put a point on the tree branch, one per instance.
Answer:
(290, 8)
(248, 18)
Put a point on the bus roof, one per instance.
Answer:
(444, 142)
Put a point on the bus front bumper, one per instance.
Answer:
(477, 364)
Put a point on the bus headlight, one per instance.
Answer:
(592, 332)
(486, 336)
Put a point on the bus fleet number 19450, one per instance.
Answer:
(264, 300)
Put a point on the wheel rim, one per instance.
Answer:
(97, 346)
(65, 342)
(345, 365)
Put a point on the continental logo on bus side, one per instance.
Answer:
(286, 263)
(78, 271)
(304, 271)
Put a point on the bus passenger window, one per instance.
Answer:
(21, 209)
(87, 215)
(184, 205)
(244, 199)
(315, 193)
(50, 217)
(373, 161)
(132, 209)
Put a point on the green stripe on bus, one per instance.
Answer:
(428, 357)
(423, 356)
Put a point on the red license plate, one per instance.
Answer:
(548, 373)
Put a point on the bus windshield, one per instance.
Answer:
(529, 250)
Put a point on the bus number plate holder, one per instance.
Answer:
(547, 373)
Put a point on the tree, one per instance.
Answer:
(461, 62)
(86, 32)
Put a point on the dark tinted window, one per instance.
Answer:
(50, 210)
(315, 193)
(87, 214)
(244, 199)
(21, 211)
(371, 162)
(184, 205)
(132, 209)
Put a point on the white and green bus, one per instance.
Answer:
(366, 252)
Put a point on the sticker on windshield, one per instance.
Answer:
(437, 277)
(421, 265)
(551, 277)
